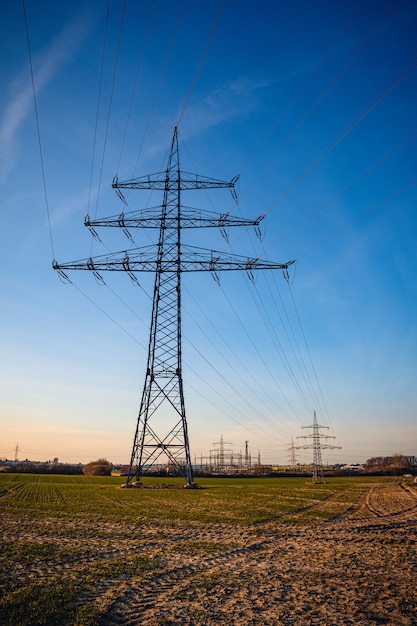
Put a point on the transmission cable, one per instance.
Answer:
(221, 353)
(257, 351)
(227, 400)
(372, 104)
(343, 134)
(234, 354)
(135, 83)
(38, 130)
(110, 107)
(105, 313)
(269, 326)
(340, 137)
(228, 415)
(299, 359)
(309, 353)
(98, 105)
(346, 188)
(326, 91)
(300, 91)
(358, 219)
(148, 121)
(203, 58)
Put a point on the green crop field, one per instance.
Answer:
(72, 544)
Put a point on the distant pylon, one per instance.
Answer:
(318, 474)
(291, 450)
(163, 392)
(220, 453)
(247, 454)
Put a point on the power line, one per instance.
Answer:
(148, 121)
(255, 383)
(363, 44)
(65, 279)
(407, 69)
(358, 219)
(260, 356)
(139, 66)
(98, 105)
(345, 189)
(203, 58)
(298, 94)
(308, 351)
(38, 130)
(269, 326)
(110, 105)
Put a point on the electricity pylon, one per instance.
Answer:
(317, 436)
(292, 459)
(163, 390)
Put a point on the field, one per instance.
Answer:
(81, 551)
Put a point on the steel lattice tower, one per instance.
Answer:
(163, 391)
(317, 436)
(292, 459)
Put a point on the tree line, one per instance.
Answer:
(395, 464)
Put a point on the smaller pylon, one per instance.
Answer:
(292, 457)
(318, 474)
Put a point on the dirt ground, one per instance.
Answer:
(359, 569)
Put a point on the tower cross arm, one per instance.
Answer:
(195, 259)
(310, 446)
(192, 259)
(189, 218)
(139, 259)
(178, 180)
(318, 435)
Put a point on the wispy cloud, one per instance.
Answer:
(233, 99)
(46, 65)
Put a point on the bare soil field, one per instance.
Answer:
(345, 558)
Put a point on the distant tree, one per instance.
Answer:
(124, 470)
(394, 464)
(101, 467)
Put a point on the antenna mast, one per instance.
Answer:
(163, 392)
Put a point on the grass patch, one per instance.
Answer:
(201, 547)
(45, 603)
(71, 543)
(230, 501)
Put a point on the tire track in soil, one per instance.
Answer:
(136, 606)
(384, 501)
(144, 597)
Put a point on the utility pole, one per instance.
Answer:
(163, 391)
(317, 436)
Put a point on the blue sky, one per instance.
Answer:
(314, 104)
